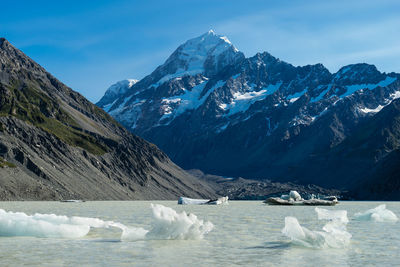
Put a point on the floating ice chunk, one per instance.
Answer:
(46, 225)
(191, 201)
(334, 234)
(295, 195)
(285, 197)
(378, 214)
(340, 215)
(131, 233)
(169, 224)
(301, 235)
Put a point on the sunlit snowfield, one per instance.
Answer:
(244, 233)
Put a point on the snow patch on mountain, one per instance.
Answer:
(107, 107)
(174, 106)
(193, 56)
(322, 94)
(373, 110)
(121, 87)
(242, 101)
(395, 95)
(351, 89)
(294, 97)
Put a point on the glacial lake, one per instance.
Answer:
(246, 233)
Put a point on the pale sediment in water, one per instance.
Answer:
(378, 214)
(333, 234)
(167, 224)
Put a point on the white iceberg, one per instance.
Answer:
(192, 201)
(295, 199)
(295, 195)
(47, 225)
(333, 234)
(167, 224)
(378, 214)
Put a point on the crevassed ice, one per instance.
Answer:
(333, 234)
(378, 214)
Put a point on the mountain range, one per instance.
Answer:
(55, 144)
(211, 108)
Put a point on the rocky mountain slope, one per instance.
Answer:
(210, 108)
(55, 144)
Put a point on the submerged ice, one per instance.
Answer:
(333, 234)
(378, 214)
(167, 224)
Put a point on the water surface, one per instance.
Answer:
(245, 233)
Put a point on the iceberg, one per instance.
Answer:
(47, 225)
(192, 201)
(333, 234)
(378, 214)
(295, 199)
(167, 224)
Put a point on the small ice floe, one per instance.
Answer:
(191, 201)
(378, 214)
(333, 234)
(167, 224)
(295, 199)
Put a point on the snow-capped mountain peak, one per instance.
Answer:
(121, 86)
(206, 54)
(115, 91)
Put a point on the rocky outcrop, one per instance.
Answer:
(58, 145)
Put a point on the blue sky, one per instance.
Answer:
(90, 45)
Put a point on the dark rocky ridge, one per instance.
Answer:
(55, 144)
(248, 189)
(263, 118)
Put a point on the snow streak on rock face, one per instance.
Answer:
(333, 234)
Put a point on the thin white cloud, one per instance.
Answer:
(333, 42)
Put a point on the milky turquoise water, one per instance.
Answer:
(245, 233)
